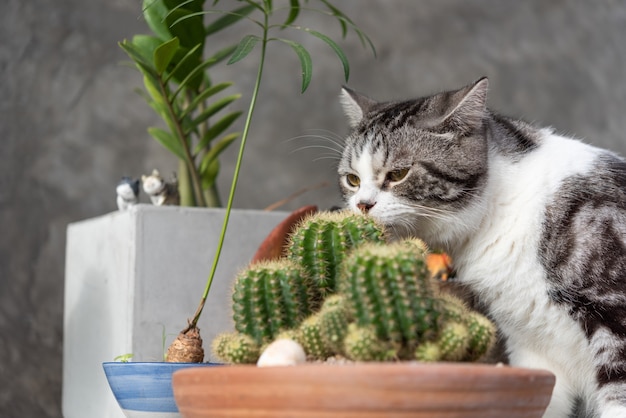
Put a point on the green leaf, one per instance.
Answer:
(229, 19)
(161, 110)
(191, 31)
(164, 53)
(245, 46)
(294, 11)
(223, 53)
(305, 61)
(154, 12)
(214, 108)
(193, 5)
(341, 17)
(192, 76)
(153, 89)
(143, 94)
(209, 174)
(124, 358)
(205, 94)
(217, 149)
(342, 56)
(186, 64)
(168, 140)
(144, 65)
(345, 21)
(217, 129)
(146, 45)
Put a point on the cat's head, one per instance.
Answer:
(415, 165)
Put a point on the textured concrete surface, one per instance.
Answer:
(70, 124)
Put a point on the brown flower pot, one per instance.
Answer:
(364, 390)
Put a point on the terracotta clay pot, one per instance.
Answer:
(273, 246)
(364, 390)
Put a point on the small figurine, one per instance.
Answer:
(127, 193)
(160, 191)
(439, 265)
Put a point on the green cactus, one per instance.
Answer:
(465, 335)
(389, 288)
(379, 301)
(321, 242)
(270, 297)
(309, 335)
(482, 336)
(481, 331)
(236, 348)
(362, 344)
(334, 319)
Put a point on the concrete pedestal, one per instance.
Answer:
(133, 278)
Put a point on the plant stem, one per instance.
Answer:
(212, 196)
(184, 185)
(233, 187)
(195, 179)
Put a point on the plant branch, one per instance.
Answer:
(180, 134)
(231, 196)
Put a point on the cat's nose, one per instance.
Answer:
(365, 206)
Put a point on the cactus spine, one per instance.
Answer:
(321, 242)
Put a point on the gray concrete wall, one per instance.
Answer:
(70, 124)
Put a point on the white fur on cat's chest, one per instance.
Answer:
(500, 261)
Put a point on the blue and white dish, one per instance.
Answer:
(145, 389)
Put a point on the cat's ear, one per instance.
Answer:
(465, 108)
(355, 105)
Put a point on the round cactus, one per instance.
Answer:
(362, 344)
(310, 337)
(236, 348)
(389, 288)
(321, 242)
(465, 335)
(270, 297)
(481, 331)
(482, 335)
(333, 322)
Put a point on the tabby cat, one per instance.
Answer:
(534, 221)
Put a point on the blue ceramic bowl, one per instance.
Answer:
(145, 388)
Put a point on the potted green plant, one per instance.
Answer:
(116, 285)
(341, 292)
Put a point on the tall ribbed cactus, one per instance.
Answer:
(388, 287)
(321, 242)
(270, 297)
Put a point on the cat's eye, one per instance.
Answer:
(397, 175)
(353, 180)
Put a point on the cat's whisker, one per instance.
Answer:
(327, 157)
(335, 151)
(337, 141)
(330, 134)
